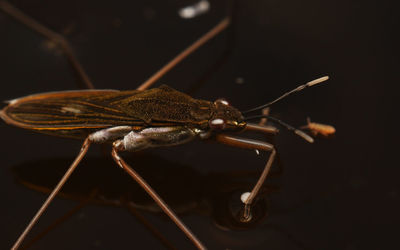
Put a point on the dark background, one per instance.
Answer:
(338, 193)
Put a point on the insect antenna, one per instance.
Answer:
(287, 126)
(299, 88)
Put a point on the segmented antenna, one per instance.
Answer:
(299, 88)
(287, 126)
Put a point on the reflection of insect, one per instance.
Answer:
(112, 187)
(318, 128)
(135, 120)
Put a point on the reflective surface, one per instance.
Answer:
(338, 193)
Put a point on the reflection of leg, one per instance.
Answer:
(155, 197)
(60, 220)
(257, 145)
(164, 241)
(49, 34)
(67, 174)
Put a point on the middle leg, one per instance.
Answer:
(154, 137)
(248, 197)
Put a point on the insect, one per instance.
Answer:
(136, 120)
(318, 128)
(139, 119)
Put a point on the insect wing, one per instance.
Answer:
(70, 113)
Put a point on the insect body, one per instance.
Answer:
(131, 120)
(318, 128)
(155, 117)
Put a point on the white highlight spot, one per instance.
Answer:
(217, 121)
(11, 102)
(244, 197)
(257, 152)
(224, 102)
(71, 110)
(194, 10)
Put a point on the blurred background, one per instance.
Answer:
(338, 193)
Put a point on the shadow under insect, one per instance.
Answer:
(186, 190)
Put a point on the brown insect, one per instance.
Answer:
(318, 128)
(138, 119)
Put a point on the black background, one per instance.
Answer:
(338, 193)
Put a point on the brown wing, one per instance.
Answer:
(78, 113)
(69, 113)
(165, 104)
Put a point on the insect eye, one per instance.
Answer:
(222, 101)
(217, 123)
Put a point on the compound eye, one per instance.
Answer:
(222, 101)
(217, 123)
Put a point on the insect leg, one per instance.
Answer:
(118, 147)
(67, 174)
(60, 220)
(202, 40)
(261, 128)
(157, 234)
(251, 144)
(308, 125)
(51, 35)
(264, 111)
